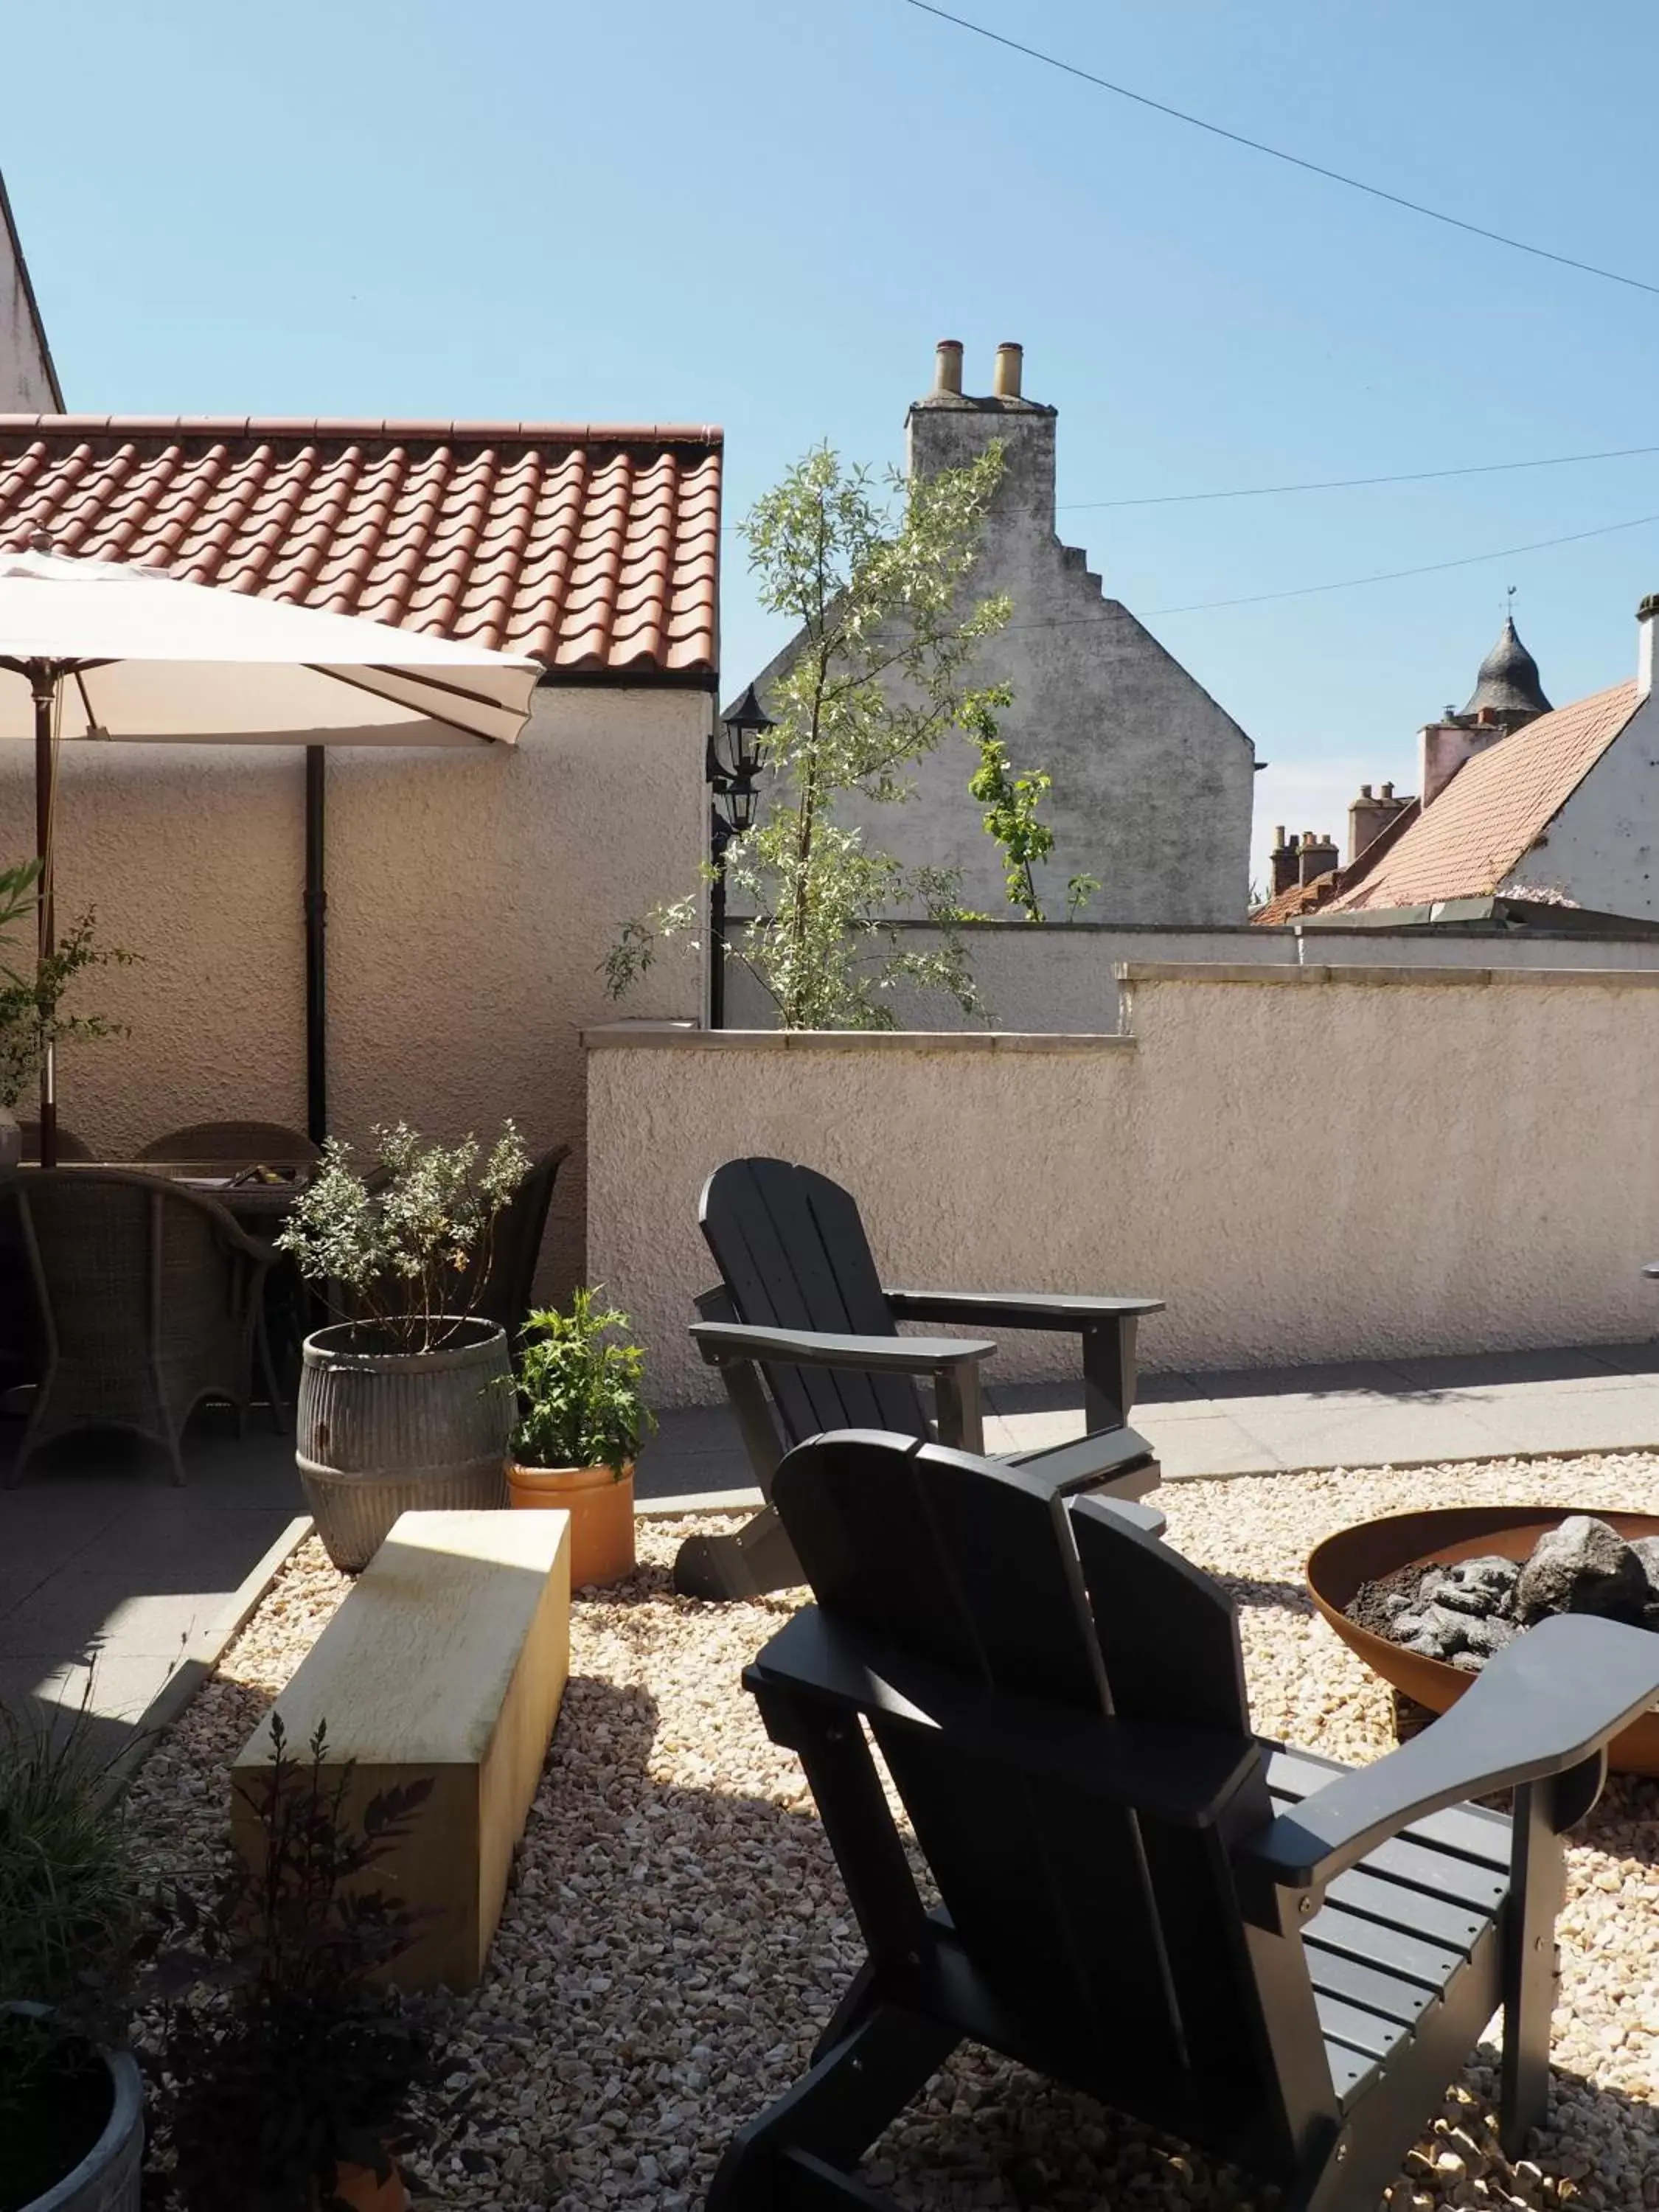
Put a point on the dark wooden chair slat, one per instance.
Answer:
(1468, 1832)
(1366, 2034)
(1411, 1958)
(1374, 1987)
(1427, 1868)
(1441, 1919)
(1351, 2074)
(1167, 1635)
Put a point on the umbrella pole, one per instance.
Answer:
(316, 910)
(45, 687)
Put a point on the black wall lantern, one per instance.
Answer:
(733, 770)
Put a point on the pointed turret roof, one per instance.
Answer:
(1508, 685)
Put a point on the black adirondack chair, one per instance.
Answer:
(1280, 1960)
(806, 1339)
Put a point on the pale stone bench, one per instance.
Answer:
(446, 1660)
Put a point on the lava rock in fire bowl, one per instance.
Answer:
(1466, 1613)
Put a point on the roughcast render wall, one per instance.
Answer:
(472, 896)
(1306, 1163)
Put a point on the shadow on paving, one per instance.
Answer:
(109, 1571)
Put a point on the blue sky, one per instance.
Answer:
(764, 215)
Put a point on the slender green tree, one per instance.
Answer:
(873, 572)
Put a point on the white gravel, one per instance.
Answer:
(676, 1934)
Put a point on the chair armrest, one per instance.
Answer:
(721, 1341)
(1015, 1309)
(1546, 1705)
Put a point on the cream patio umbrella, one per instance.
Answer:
(99, 650)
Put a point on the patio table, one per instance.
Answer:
(259, 1207)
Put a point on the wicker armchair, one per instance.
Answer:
(70, 1147)
(149, 1302)
(267, 1142)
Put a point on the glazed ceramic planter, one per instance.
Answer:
(600, 1504)
(107, 2178)
(381, 1433)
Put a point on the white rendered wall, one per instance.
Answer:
(1307, 1165)
(472, 896)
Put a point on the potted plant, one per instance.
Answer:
(282, 2079)
(31, 1016)
(71, 2116)
(399, 1400)
(581, 1416)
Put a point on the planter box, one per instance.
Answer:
(446, 1660)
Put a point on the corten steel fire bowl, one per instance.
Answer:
(1337, 1567)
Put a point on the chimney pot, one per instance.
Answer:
(1317, 857)
(1010, 363)
(1388, 791)
(1365, 791)
(947, 364)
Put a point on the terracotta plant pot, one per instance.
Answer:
(600, 1504)
(356, 2186)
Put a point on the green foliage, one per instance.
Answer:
(578, 1395)
(404, 1249)
(70, 1904)
(872, 573)
(31, 1015)
(271, 2059)
(1011, 801)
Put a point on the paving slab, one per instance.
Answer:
(1260, 1420)
(115, 1583)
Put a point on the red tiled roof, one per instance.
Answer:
(1493, 810)
(594, 547)
(1300, 899)
(1290, 905)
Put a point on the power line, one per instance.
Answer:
(1351, 484)
(1279, 154)
(1332, 483)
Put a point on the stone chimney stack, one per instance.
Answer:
(1282, 863)
(1369, 815)
(1647, 621)
(950, 428)
(1445, 745)
(1315, 856)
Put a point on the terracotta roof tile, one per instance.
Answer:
(593, 547)
(1493, 810)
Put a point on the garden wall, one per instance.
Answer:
(1062, 975)
(1307, 1164)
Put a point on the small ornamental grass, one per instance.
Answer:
(403, 1250)
(579, 1391)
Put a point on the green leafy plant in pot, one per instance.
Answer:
(282, 2079)
(581, 1416)
(400, 1401)
(71, 2116)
